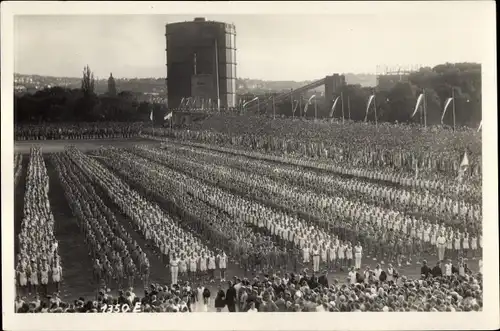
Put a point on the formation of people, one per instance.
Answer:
(70, 131)
(448, 186)
(383, 232)
(397, 146)
(18, 166)
(181, 251)
(263, 204)
(37, 261)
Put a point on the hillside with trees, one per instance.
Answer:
(85, 103)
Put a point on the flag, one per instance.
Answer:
(463, 167)
(295, 107)
(333, 106)
(169, 115)
(465, 160)
(446, 104)
(151, 116)
(480, 126)
(308, 103)
(417, 106)
(370, 100)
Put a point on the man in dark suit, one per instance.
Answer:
(437, 271)
(231, 298)
(425, 271)
(323, 279)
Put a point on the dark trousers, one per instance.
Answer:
(231, 307)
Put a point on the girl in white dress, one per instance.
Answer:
(203, 265)
(324, 255)
(174, 269)
(44, 278)
(211, 266)
(348, 254)
(183, 262)
(358, 251)
(473, 246)
(341, 255)
(306, 255)
(332, 255)
(465, 244)
(457, 245)
(223, 266)
(34, 278)
(22, 279)
(56, 274)
(193, 261)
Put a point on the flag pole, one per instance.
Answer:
(453, 97)
(349, 106)
(425, 109)
(315, 110)
(342, 99)
(300, 105)
(291, 101)
(274, 109)
(375, 108)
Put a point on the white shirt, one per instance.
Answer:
(252, 310)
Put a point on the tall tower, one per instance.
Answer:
(201, 62)
(111, 85)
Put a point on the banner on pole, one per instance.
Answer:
(419, 103)
(370, 100)
(446, 104)
(332, 111)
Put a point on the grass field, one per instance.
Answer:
(77, 264)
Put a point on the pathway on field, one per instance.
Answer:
(75, 259)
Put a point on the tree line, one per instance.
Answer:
(461, 80)
(59, 104)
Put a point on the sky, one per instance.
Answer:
(270, 47)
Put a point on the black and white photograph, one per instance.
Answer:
(172, 158)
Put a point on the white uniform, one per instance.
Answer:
(348, 253)
(174, 270)
(211, 263)
(44, 277)
(305, 254)
(56, 274)
(223, 261)
(358, 251)
(23, 280)
(203, 263)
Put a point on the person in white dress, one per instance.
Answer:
(456, 244)
(22, 279)
(348, 254)
(203, 265)
(306, 255)
(315, 254)
(473, 246)
(193, 262)
(352, 276)
(223, 266)
(174, 269)
(358, 251)
(56, 274)
(332, 255)
(341, 255)
(441, 246)
(465, 244)
(447, 268)
(211, 266)
(200, 306)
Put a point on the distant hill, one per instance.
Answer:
(29, 83)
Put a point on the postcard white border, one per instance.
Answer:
(487, 319)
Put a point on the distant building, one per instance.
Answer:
(111, 85)
(201, 62)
